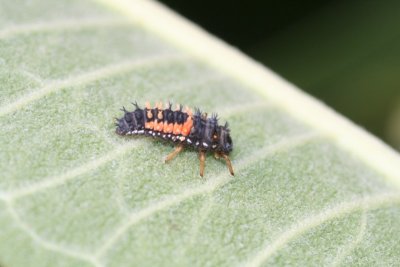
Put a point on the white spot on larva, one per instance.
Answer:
(154, 134)
(189, 141)
(182, 138)
(214, 146)
(135, 131)
(205, 144)
(141, 132)
(197, 143)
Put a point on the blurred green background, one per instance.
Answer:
(346, 53)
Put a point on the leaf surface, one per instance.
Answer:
(310, 187)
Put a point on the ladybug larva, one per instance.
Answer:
(180, 126)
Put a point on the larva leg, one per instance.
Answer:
(228, 163)
(178, 149)
(202, 157)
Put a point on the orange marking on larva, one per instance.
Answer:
(149, 125)
(165, 128)
(187, 126)
(168, 127)
(177, 128)
(158, 126)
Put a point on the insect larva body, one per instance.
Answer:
(180, 126)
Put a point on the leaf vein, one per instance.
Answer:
(61, 179)
(189, 193)
(351, 246)
(85, 78)
(58, 25)
(92, 165)
(297, 229)
(46, 244)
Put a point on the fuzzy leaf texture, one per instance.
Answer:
(311, 188)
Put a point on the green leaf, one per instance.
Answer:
(310, 187)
